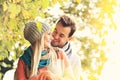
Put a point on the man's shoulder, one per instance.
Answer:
(75, 61)
(75, 56)
(67, 49)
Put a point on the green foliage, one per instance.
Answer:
(89, 15)
(93, 16)
(13, 15)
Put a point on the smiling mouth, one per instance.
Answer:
(55, 41)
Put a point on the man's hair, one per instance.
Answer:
(67, 22)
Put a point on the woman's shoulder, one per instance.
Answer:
(27, 52)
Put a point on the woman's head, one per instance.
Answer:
(36, 33)
(34, 30)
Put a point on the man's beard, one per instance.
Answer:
(53, 45)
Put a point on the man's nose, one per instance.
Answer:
(56, 36)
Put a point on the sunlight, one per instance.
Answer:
(111, 68)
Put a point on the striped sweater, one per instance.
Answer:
(67, 49)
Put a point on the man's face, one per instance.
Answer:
(60, 36)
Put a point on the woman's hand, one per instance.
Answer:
(45, 74)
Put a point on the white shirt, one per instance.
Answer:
(74, 60)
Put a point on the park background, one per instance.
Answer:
(97, 39)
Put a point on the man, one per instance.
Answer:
(62, 34)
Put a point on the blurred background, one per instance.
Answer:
(97, 39)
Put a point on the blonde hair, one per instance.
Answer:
(39, 47)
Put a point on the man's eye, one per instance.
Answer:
(55, 31)
(61, 36)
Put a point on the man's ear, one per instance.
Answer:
(70, 38)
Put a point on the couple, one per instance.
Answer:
(41, 61)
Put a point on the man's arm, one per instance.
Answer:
(76, 65)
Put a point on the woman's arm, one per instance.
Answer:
(20, 73)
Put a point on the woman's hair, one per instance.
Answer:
(39, 47)
(34, 33)
(36, 38)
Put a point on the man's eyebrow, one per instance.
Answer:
(55, 29)
(60, 33)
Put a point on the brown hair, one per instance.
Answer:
(67, 22)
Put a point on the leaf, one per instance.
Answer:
(103, 43)
(4, 6)
(28, 1)
(54, 1)
(25, 14)
(39, 26)
(61, 2)
(92, 77)
(78, 1)
(12, 24)
(3, 54)
(14, 10)
(17, 1)
(44, 3)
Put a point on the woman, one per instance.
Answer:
(40, 61)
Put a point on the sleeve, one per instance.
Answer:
(76, 66)
(67, 69)
(20, 72)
